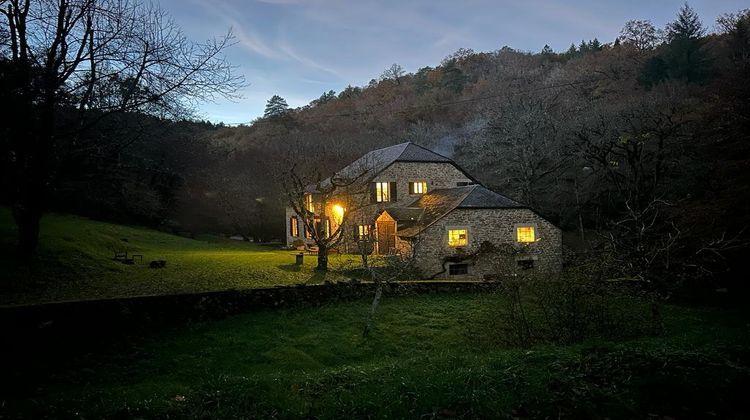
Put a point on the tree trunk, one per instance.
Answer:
(322, 258)
(27, 217)
(32, 177)
(373, 308)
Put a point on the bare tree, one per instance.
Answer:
(641, 34)
(395, 72)
(75, 62)
(310, 196)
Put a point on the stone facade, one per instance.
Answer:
(496, 226)
(436, 174)
(488, 219)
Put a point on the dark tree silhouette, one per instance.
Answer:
(71, 64)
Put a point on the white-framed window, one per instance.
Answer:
(363, 232)
(418, 187)
(458, 237)
(294, 226)
(309, 205)
(382, 192)
(525, 234)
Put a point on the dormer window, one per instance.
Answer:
(418, 187)
(309, 205)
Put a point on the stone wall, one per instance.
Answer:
(437, 175)
(113, 316)
(498, 227)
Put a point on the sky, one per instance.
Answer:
(299, 49)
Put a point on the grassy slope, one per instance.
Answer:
(429, 354)
(75, 262)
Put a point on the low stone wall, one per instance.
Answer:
(112, 315)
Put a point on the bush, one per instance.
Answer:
(573, 308)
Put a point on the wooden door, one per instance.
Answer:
(386, 237)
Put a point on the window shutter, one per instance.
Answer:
(373, 193)
(411, 187)
(394, 194)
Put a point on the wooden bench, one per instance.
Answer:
(123, 257)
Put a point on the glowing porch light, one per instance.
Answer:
(338, 213)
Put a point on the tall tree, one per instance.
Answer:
(688, 25)
(453, 78)
(640, 34)
(72, 63)
(684, 56)
(276, 107)
(395, 72)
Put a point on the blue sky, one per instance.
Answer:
(300, 48)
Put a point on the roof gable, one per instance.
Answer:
(376, 161)
(439, 203)
(484, 198)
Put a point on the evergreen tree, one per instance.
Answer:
(421, 84)
(324, 98)
(583, 48)
(453, 78)
(684, 55)
(547, 50)
(276, 107)
(595, 45)
(687, 25)
(572, 51)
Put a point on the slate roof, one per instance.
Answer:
(372, 163)
(406, 216)
(439, 203)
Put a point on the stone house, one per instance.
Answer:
(414, 202)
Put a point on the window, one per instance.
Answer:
(458, 237)
(458, 269)
(309, 205)
(363, 232)
(419, 187)
(525, 234)
(525, 264)
(294, 226)
(382, 192)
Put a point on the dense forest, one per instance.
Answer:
(637, 148)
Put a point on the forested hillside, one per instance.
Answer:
(642, 141)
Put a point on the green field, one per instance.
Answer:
(429, 357)
(75, 262)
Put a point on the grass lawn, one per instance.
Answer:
(430, 357)
(75, 262)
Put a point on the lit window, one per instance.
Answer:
(382, 192)
(458, 269)
(309, 203)
(419, 187)
(525, 234)
(458, 237)
(294, 227)
(363, 232)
